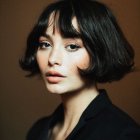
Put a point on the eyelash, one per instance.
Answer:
(76, 47)
(45, 45)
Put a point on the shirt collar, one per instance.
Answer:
(96, 106)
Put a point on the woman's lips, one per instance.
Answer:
(54, 77)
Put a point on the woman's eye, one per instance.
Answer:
(44, 45)
(72, 48)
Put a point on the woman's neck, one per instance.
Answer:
(74, 105)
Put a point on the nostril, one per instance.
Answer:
(56, 56)
(54, 60)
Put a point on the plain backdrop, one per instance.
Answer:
(24, 100)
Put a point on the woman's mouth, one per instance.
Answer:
(54, 77)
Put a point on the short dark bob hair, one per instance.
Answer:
(111, 56)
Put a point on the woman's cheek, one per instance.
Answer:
(42, 61)
(82, 61)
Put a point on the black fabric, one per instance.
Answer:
(100, 121)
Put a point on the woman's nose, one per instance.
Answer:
(55, 57)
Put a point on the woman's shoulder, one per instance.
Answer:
(117, 118)
(107, 113)
(122, 123)
(120, 117)
(106, 120)
(39, 129)
(41, 122)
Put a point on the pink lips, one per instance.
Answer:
(54, 77)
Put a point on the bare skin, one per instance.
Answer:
(64, 56)
(73, 109)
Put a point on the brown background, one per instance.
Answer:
(23, 100)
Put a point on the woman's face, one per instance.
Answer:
(59, 59)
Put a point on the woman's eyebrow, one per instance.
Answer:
(74, 36)
(47, 36)
(68, 36)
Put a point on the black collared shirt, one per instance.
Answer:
(101, 120)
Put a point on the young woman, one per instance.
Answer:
(75, 45)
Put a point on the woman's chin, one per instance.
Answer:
(56, 90)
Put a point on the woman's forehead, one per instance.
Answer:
(54, 24)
